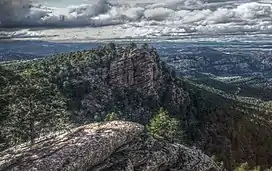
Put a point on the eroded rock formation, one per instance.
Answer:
(138, 69)
(116, 145)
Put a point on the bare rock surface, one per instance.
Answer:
(116, 145)
(141, 70)
(149, 154)
(138, 69)
(79, 150)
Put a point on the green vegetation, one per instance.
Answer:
(162, 125)
(33, 107)
(111, 117)
(67, 90)
(245, 167)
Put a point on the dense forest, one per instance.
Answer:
(66, 90)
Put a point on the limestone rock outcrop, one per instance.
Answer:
(116, 145)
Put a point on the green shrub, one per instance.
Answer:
(245, 167)
(162, 125)
(111, 117)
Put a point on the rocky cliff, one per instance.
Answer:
(143, 71)
(116, 145)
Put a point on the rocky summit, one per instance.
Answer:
(116, 145)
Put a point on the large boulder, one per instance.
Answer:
(78, 150)
(116, 145)
(149, 154)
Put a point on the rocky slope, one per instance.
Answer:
(116, 145)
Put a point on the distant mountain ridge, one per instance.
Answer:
(9, 56)
(189, 60)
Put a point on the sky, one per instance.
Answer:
(61, 3)
(137, 18)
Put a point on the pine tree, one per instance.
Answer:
(163, 126)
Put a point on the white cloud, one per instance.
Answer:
(169, 17)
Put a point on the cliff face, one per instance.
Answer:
(134, 84)
(141, 70)
(136, 70)
(116, 145)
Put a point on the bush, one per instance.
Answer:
(111, 117)
(245, 167)
(163, 126)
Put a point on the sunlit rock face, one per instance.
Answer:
(116, 145)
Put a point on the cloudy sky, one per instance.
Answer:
(146, 18)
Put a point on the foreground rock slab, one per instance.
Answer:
(116, 145)
(79, 150)
(145, 153)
